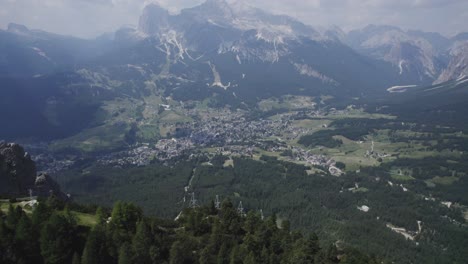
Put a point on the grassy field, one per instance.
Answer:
(444, 180)
(399, 177)
(82, 218)
(228, 162)
(85, 219)
(359, 113)
(4, 207)
(287, 102)
(106, 137)
(312, 124)
(352, 153)
(149, 133)
(172, 117)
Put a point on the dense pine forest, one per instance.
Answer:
(52, 232)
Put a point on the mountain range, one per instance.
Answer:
(55, 86)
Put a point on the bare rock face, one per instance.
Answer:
(154, 19)
(18, 174)
(413, 56)
(17, 28)
(45, 186)
(458, 65)
(17, 170)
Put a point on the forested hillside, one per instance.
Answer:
(52, 233)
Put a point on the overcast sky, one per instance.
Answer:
(89, 18)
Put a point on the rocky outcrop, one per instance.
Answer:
(154, 19)
(18, 174)
(45, 186)
(17, 28)
(17, 170)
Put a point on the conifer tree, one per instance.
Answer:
(6, 243)
(12, 217)
(206, 256)
(182, 251)
(125, 254)
(95, 250)
(235, 257)
(250, 259)
(122, 225)
(251, 222)
(141, 243)
(25, 242)
(57, 239)
(100, 216)
(223, 254)
(76, 258)
(40, 215)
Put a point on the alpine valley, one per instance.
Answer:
(360, 137)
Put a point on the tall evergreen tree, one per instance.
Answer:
(57, 239)
(125, 254)
(250, 259)
(95, 250)
(25, 242)
(40, 215)
(100, 216)
(141, 243)
(206, 256)
(182, 251)
(12, 217)
(223, 254)
(235, 257)
(76, 258)
(6, 244)
(251, 222)
(122, 226)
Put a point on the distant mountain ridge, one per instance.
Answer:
(232, 55)
(419, 57)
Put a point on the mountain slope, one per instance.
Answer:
(412, 54)
(228, 54)
(25, 52)
(441, 104)
(242, 42)
(458, 65)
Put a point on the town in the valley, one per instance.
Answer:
(232, 133)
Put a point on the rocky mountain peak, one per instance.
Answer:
(458, 64)
(17, 28)
(461, 37)
(154, 19)
(218, 11)
(411, 53)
